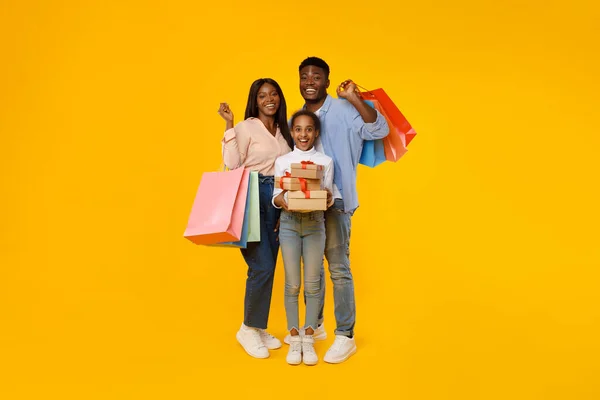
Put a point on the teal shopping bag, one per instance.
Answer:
(253, 212)
(373, 151)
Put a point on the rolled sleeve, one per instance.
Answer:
(372, 130)
(235, 145)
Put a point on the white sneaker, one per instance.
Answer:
(250, 340)
(269, 340)
(320, 334)
(294, 356)
(341, 349)
(309, 356)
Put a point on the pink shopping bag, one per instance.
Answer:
(218, 210)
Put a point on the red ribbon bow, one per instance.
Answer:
(287, 175)
(305, 163)
(301, 180)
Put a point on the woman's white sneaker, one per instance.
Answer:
(269, 340)
(294, 356)
(251, 341)
(309, 355)
(341, 349)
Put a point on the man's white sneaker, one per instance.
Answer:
(320, 334)
(294, 356)
(250, 340)
(341, 349)
(309, 356)
(269, 340)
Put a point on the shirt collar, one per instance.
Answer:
(305, 153)
(325, 105)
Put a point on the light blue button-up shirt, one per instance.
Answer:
(343, 132)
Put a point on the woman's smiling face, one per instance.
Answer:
(267, 100)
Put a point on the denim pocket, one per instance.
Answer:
(337, 210)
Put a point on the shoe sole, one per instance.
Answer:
(309, 363)
(298, 363)
(350, 353)
(318, 338)
(237, 336)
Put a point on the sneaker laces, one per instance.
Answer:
(296, 346)
(263, 332)
(308, 347)
(257, 339)
(338, 343)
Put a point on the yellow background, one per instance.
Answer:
(475, 257)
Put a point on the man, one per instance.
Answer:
(346, 123)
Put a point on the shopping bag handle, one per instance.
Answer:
(222, 166)
(362, 87)
(365, 90)
(357, 86)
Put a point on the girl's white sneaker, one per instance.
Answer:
(294, 355)
(309, 355)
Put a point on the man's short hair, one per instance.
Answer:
(317, 62)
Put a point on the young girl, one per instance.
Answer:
(302, 237)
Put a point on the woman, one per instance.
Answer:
(255, 143)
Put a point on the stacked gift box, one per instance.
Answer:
(304, 187)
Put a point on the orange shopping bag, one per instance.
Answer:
(218, 211)
(401, 132)
(394, 144)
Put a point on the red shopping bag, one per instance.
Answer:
(401, 132)
(394, 144)
(218, 211)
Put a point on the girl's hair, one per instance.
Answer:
(280, 117)
(299, 113)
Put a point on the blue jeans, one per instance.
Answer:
(302, 237)
(337, 252)
(261, 258)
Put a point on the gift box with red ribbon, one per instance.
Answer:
(307, 169)
(290, 183)
(309, 200)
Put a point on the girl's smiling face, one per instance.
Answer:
(304, 132)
